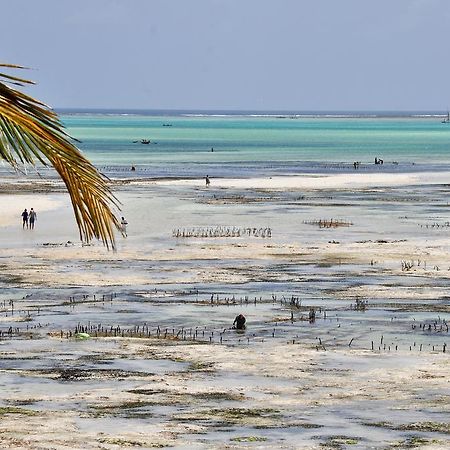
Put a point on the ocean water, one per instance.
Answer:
(258, 144)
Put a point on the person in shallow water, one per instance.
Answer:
(123, 226)
(239, 322)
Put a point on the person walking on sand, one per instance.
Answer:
(24, 218)
(208, 182)
(123, 225)
(32, 217)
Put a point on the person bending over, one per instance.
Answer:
(239, 322)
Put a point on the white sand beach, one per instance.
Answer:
(12, 206)
(323, 181)
(163, 368)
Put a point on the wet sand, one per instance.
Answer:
(163, 368)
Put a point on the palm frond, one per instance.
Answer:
(30, 131)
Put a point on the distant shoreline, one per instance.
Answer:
(281, 114)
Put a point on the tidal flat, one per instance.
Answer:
(162, 366)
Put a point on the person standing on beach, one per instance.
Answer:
(25, 218)
(208, 182)
(123, 224)
(32, 217)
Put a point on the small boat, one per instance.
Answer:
(447, 119)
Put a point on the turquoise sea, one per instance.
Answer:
(257, 144)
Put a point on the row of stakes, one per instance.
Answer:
(221, 232)
(291, 301)
(205, 336)
(329, 223)
(383, 346)
(408, 265)
(436, 225)
(439, 325)
(191, 334)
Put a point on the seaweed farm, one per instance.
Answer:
(346, 334)
(166, 355)
(379, 326)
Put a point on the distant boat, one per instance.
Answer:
(144, 141)
(447, 119)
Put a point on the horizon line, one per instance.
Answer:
(303, 111)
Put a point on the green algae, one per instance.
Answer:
(248, 439)
(338, 442)
(124, 443)
(438, 427)
(414, 442)
(16, 410)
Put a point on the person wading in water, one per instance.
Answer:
(239, 322)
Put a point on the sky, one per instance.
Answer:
(287, 55)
